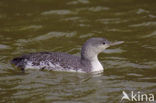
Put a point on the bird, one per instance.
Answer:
(59, 61)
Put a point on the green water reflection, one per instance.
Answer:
(52, 25)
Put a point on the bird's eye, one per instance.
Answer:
(103, 43)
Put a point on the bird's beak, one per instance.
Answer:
(116, 43)
(109, 44)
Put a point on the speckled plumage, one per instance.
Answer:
(61, 61)
(57, 61)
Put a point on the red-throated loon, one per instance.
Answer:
(57, 61)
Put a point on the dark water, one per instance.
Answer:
(63, 25)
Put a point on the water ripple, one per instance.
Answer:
(2, 47)
(93, 9)
(126, 64)
(55, 34)
(98, 8)
(141, 11)
(153, 34)
(46, 37)
(58, 12)
(78, 2)
(112, 20)
(110, 51)
(144, 24)
(35, 27)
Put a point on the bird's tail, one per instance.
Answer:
(16, 61)
(19, 62)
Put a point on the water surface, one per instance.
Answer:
(53, 25)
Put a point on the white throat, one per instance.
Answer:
(96, 65)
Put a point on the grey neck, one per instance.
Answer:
(88, 54)
(89, 58)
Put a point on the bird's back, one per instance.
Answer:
(48, 60)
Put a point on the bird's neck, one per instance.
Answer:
(90, 57)
(96, 65)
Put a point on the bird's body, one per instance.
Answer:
(57, 61)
